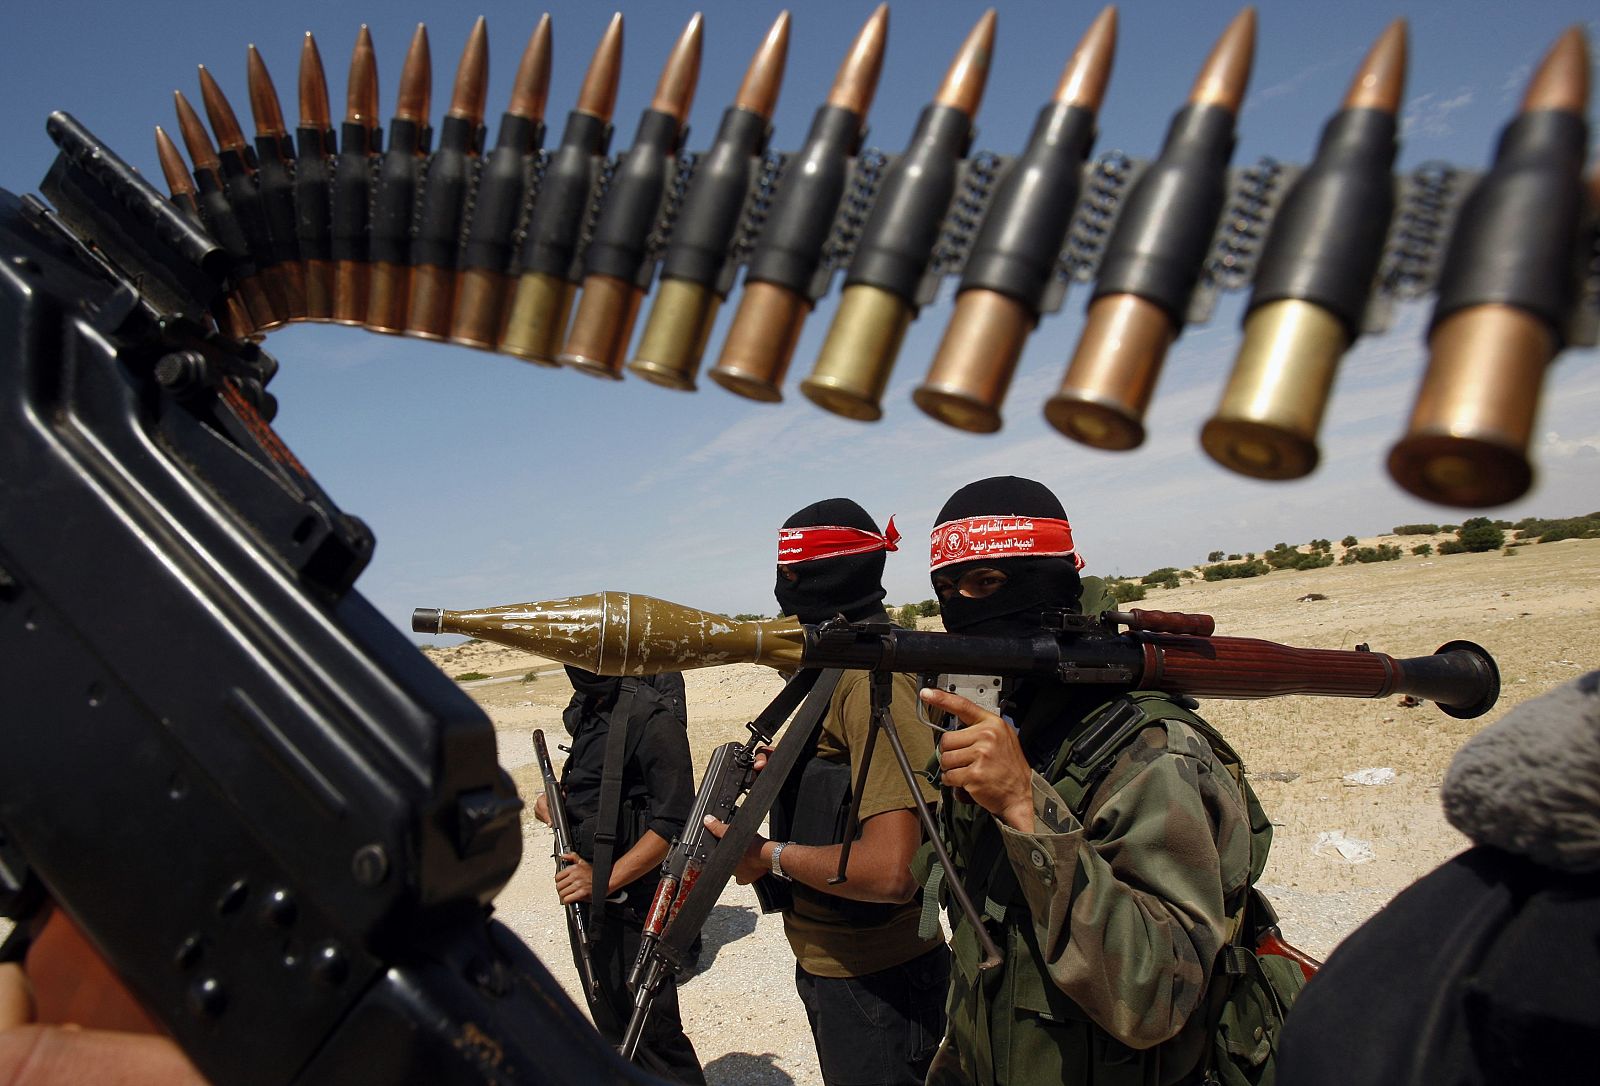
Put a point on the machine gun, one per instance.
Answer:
(297, 824)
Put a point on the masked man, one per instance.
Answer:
(1099, 835)
(653, 791)
(872, 986)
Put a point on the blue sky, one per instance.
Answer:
(489, 481)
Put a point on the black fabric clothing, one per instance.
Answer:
(657, 781)
(1033, 585)
(657, 794)
(1486, 971)
(849, 585)
(880, 1029)
(664, 1049)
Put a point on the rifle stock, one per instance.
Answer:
(561, 827)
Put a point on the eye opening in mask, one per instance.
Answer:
(788, 573)
(974, 584)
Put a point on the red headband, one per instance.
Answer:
(1001, 537)
(832, 541)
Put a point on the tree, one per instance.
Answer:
(1215, 556)
(907, 616)
(1349, 541)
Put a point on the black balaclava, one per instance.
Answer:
(1033, 585)
(849, 585)
(596, 688)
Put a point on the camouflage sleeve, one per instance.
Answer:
(1128, 912)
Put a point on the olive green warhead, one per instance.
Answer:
(620, 633)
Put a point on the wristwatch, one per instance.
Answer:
(776, 864)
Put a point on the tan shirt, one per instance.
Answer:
(825, 943)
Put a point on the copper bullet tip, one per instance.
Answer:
(675, 89)
(598, 95)
(965, 78)
(264, 97)
(530, 90)
(361, 95)
(1562, 79)
(1088, 70)
(230, 137)
(414, 102)
(857, 81)
(172, 167)
(1226, 72)
(194, 134)
(314, 112)
(764, 77)
(1380, 82)
(468, 94)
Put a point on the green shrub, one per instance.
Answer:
(1127, 591)
(1422, 549)
(470, 676)
(1450, 546)
(928, 608)
(1228, 571)
(1416, 529)
(1480, 534)
(1383, 552)
(907, 616)
(1511, 550)
(1214, 556)
(1235, 557)
(1322, 545)
(1349, 541)
(747, 617)
(1160, 576)
(530, 677)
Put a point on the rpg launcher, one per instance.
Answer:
(618, 633)
(223, 770)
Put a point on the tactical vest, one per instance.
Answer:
(1012, 1022)
(814, 809)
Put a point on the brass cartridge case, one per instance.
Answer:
(536, 320)
(675, 335)
(759, 346)
(319, 278)
(388, 297)
(1467, 441)
(598, 340)
(1267, 423)
(351, 285)
(977, 358)
(480, 301)
(1108, 386)
(854, 364)
(433, 301)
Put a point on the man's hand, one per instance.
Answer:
(575, 883)
(541, 808)
(753, 864)
(984, 759)
(32, 1055)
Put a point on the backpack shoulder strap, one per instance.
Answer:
(609, 817)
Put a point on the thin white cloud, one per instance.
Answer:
(1431, 114)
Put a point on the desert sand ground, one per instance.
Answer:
(1537, 610)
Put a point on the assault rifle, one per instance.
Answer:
(278, 824)
(561, 826)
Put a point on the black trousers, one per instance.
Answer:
(880, 1029)
(664, 1049)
